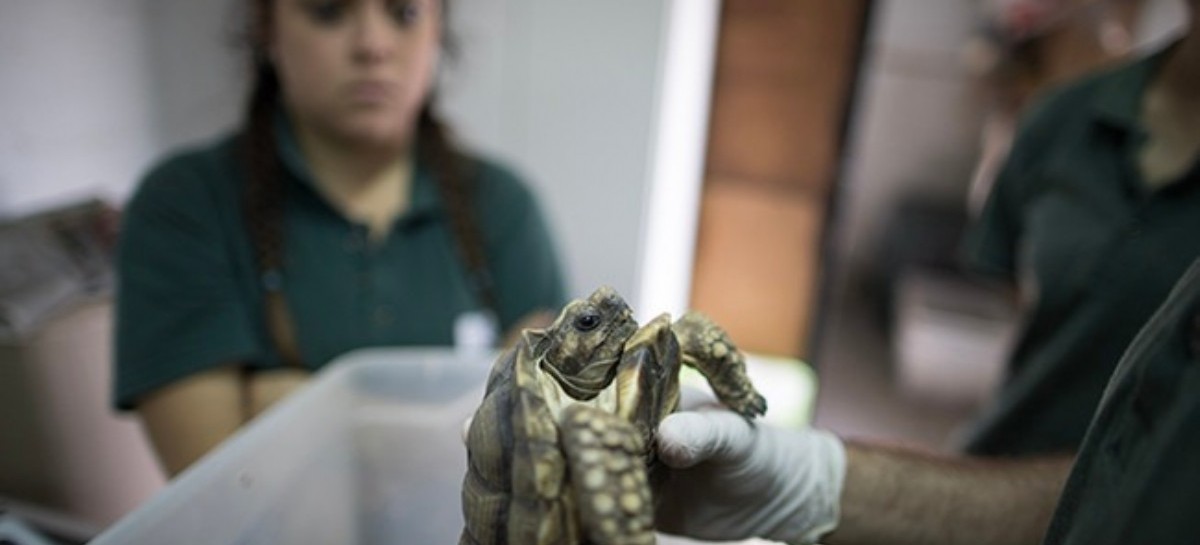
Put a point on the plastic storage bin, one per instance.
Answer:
(369, 453)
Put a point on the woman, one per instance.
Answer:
(341, 216)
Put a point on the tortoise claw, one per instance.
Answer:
(752, 406)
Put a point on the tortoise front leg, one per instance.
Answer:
(708, 349)
(608, 474)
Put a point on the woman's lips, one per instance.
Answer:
(370, 91)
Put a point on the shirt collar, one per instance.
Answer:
(425, 199)
(1118, 102)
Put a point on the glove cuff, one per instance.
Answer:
(821, 502)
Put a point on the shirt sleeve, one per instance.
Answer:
(521, 250)
(178, 305)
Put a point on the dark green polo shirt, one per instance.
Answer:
(1137, 477)
(190, 298)
(1092, 248)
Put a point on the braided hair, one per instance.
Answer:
(264, 191)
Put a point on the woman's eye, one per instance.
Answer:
(327, 12)
(587, 322)
(405, 13)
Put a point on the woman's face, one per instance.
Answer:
(356, 71)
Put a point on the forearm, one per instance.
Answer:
(186, 419)
(268, 387)
(897, 496)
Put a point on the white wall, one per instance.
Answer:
(1160, 21)
(74, 94)
(565, 92)
(91, 92)
(198, 69)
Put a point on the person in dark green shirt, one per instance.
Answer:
(1135, 477)
(340, 216)
(1092, 220)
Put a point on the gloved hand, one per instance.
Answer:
(731, 479)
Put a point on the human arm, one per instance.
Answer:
(183, 311)
(899, 496)
(181, 434)
(733, 480)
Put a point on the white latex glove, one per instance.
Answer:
(732, 480)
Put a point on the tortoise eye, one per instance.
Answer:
(587, 322)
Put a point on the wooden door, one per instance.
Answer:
(782, 84)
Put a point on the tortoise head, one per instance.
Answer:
(581, 349)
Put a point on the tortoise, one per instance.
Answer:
(560, 451)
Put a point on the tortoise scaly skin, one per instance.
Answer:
(560, 451)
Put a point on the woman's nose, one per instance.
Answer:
(375, 35)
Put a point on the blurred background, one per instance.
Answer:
(799, 169)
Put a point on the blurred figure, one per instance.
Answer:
(1029, 48)
(340, 215)
(1093, 217)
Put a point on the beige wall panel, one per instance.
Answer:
(755, 270)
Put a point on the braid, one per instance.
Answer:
(453, 172)
(264, 206)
